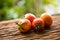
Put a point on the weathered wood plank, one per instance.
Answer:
(9, 31)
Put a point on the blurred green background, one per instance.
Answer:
(12, 9)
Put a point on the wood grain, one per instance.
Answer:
(9, 31)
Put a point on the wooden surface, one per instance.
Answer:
(9, 31)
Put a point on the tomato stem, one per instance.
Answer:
(38, 26)
(20, 25)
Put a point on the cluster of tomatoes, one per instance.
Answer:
(31, 22)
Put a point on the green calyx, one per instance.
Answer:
(19, 24)
(38, 26)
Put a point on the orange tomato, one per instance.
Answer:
(30, 16)
(38, 24)
(47, 19)
(24, 25)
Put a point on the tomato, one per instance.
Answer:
(38, 24)
(30, 16)
(24, 25)
(47, 19)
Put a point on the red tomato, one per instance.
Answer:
(24, 25)
(47, 19)
(30, 16)
(38, 24)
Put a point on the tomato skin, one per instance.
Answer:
(47, 19)
(36, 22)
(24, 25)
(30, 16)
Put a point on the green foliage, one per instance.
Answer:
(11, 14)
(4, 5)
(29, 6)
(47, 2)
(9, 9)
